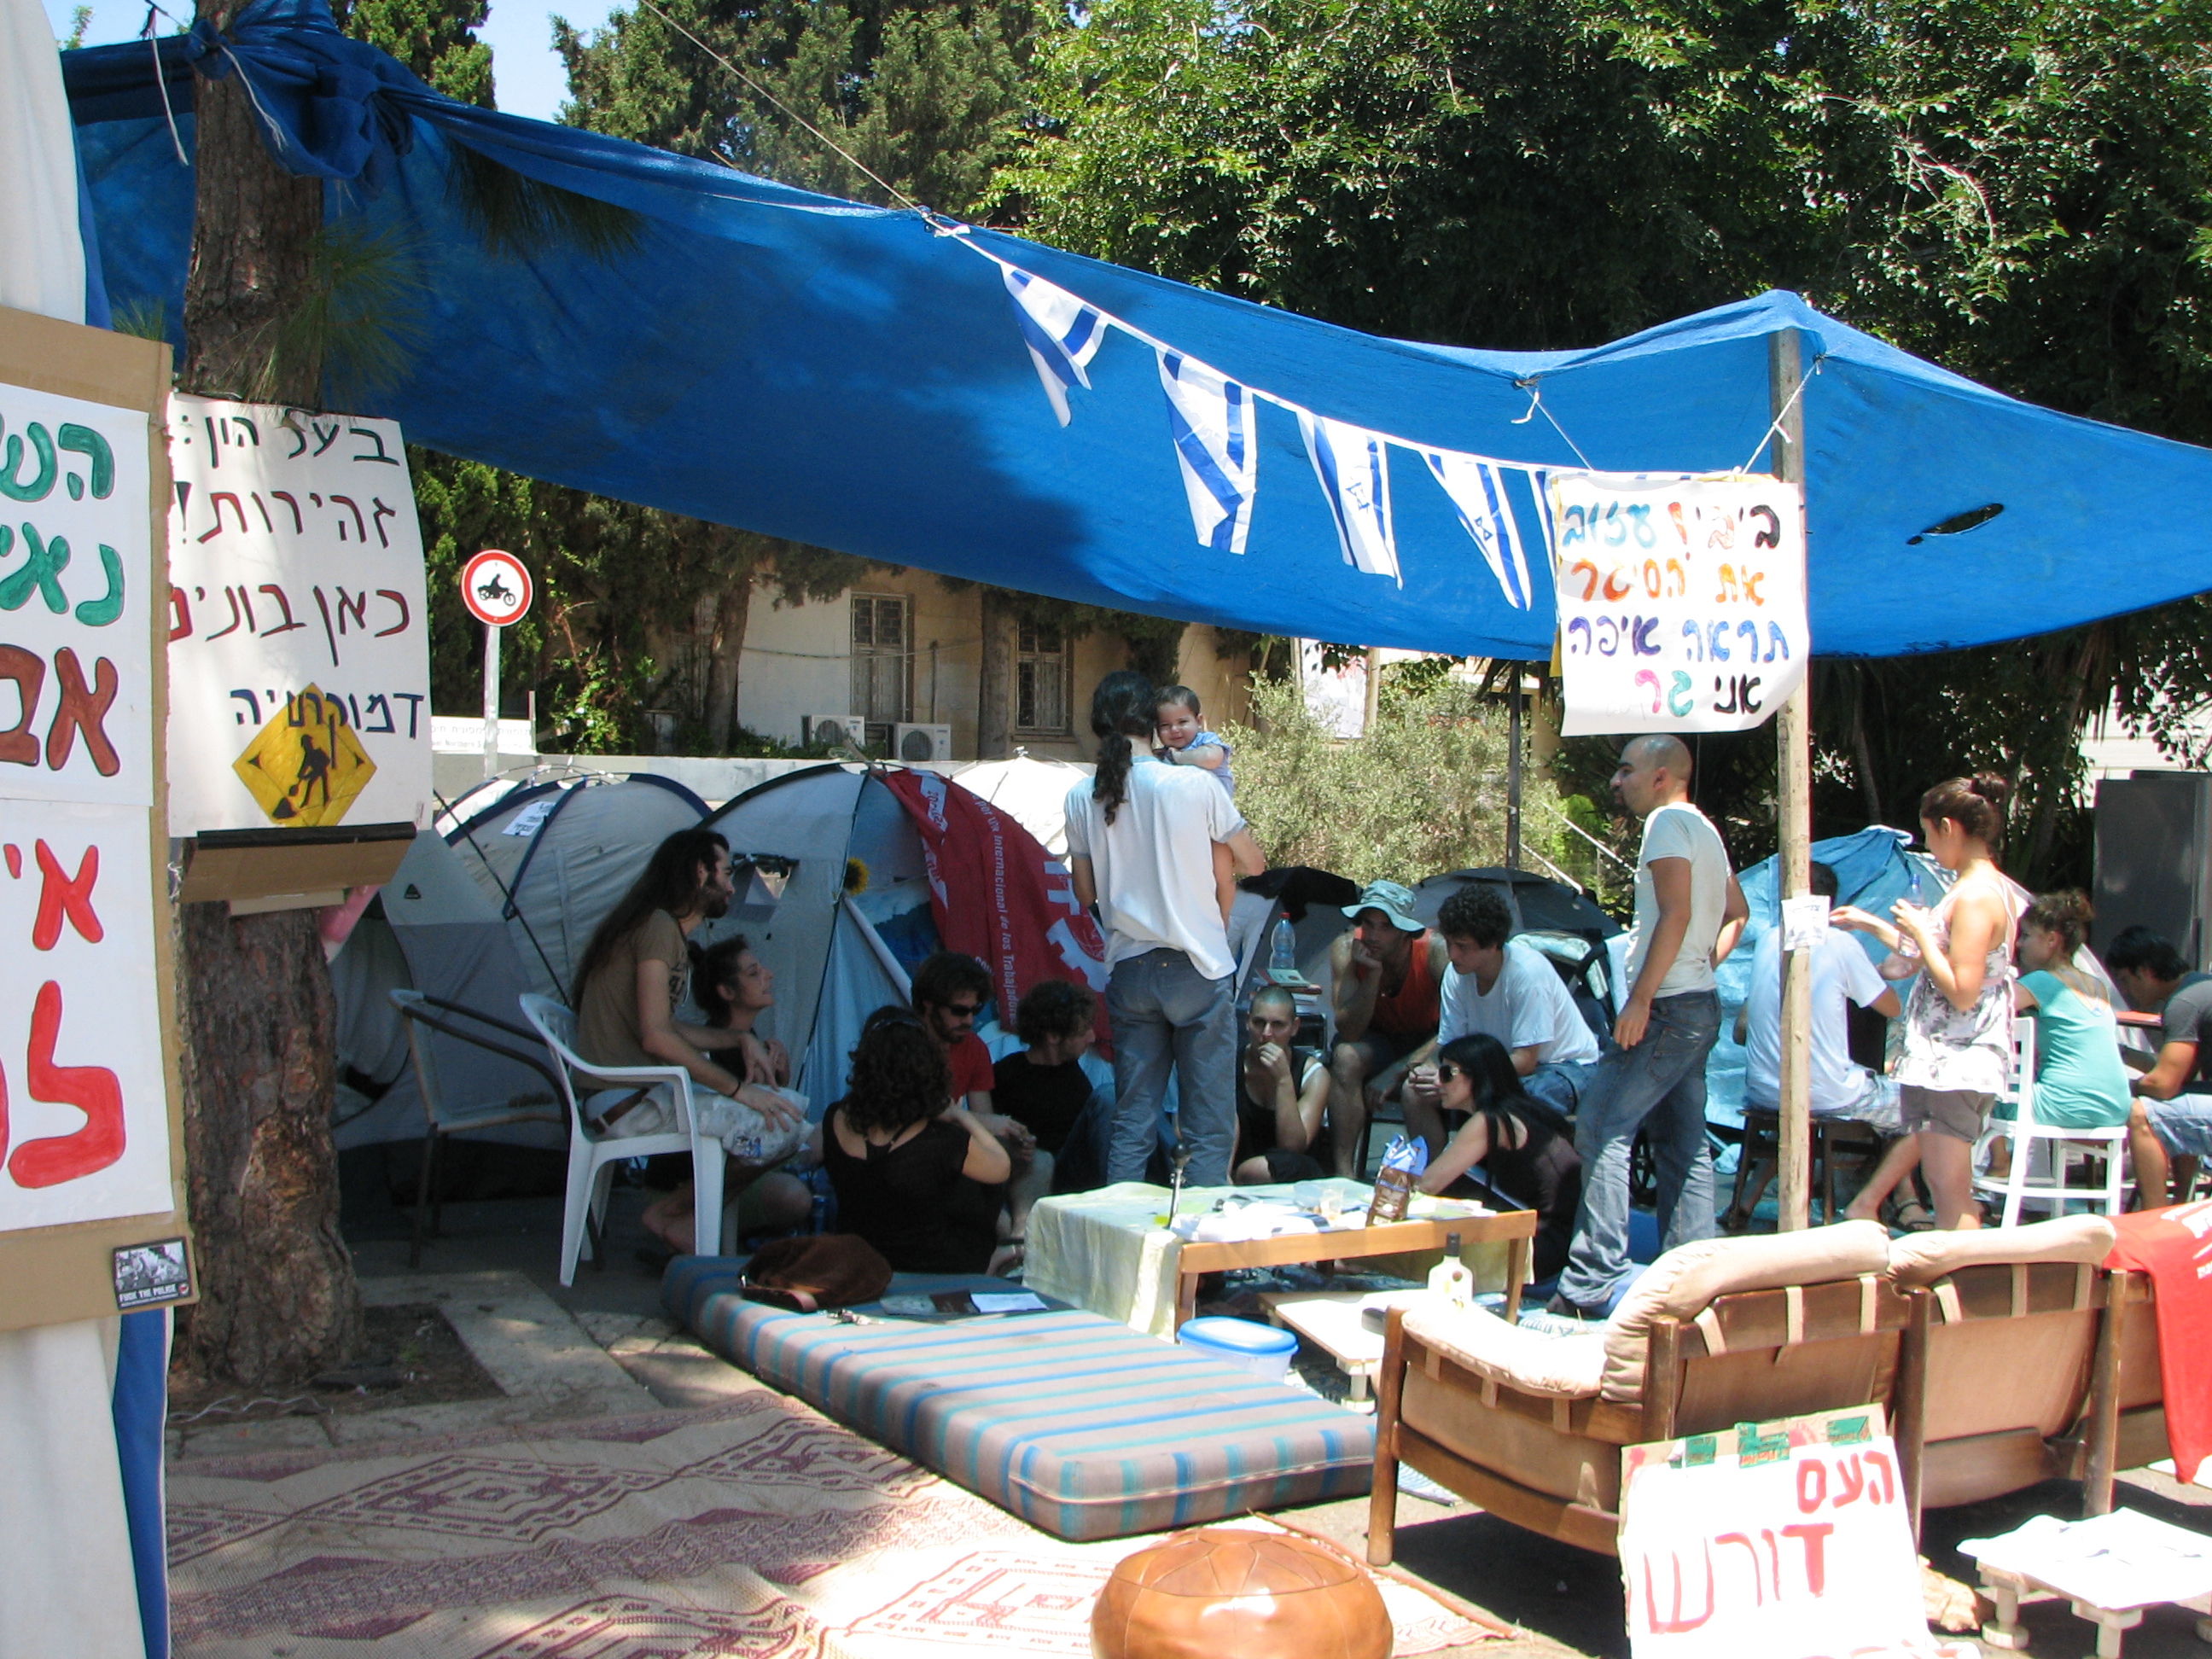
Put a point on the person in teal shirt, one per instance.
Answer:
(2080, 1083)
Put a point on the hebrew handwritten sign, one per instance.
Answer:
(1681, 602)
(84, 1117)
(1787, 1539)
(299, 649)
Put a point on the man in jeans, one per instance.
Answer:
(1689, 913)
(1140, 840)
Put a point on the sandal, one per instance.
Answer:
(1011, 1254)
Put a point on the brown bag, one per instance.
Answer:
(810, 1273)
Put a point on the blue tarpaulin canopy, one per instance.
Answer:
(854, 378)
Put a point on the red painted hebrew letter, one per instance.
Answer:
(59, 895)
(93, 1089)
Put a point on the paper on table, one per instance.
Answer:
(990, 1301)
(1803, 922)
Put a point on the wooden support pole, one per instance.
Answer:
(1794, 808)
(1513, 774)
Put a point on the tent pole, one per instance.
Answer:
(1513, 774)
(1794, 774)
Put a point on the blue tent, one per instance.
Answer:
(855, 378)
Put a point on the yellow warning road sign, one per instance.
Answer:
(306, 767)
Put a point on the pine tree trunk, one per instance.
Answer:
(725, 648)
(994, 698)
(280, 1301)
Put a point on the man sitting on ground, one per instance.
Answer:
(1386, 980)
(949, 990)
(1840, 1088)
(1503, 988)
(2170, 1127)
(632, 979)
(1282, 1090)
(1044, 1087)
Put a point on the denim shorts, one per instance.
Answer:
(2183, 1124)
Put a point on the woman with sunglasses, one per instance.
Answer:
(1525, 1150)
(900, 1156)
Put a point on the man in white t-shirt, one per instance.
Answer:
(1506, 988)
(1841, 1088)
(1140, 841)
(1689, 914)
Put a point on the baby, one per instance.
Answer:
(1184, 741)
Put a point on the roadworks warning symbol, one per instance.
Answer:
(306, 767)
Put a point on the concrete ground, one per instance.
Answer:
(606, 1345)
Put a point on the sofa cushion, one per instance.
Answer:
(1686, 1281)
(1568, 1366)
(1924, 1258)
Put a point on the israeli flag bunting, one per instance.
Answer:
(1480, 495)
(1210, 420)
(1061, 332)
(1354, 465)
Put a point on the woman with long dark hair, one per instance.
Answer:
(1525, 1148)
(1140, 840)
(1958, 1018)
(897, 1153)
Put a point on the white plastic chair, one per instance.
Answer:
(441, 1116)
(2042, 1155)
(591, 1155)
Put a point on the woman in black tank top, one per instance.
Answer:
(1525, 1149)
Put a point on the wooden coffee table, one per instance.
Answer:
(1515, 1227)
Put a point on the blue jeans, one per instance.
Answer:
(1659, 1085)
(1165, 1014)
(1561, 1085)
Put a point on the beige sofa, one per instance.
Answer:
(1980, 1346)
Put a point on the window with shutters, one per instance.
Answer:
(881, 656)
(1041, 678)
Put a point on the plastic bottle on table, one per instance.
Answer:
(1449, 1280)
(1282, 952)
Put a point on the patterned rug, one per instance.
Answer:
(755, 1528)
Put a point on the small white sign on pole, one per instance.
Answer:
(298, 638)
(1787, 1539)
(1681, 601)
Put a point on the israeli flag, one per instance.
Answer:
(1061, 332)
(1210, 421)
(1354, 465)
(1480, 495)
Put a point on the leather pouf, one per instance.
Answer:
(1230, 1593)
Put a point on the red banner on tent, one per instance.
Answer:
(998, 894)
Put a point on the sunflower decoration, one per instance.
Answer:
(856, 875)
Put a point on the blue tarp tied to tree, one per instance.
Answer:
(869, 380)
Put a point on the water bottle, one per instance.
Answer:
(1283, 953)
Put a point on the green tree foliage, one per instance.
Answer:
(436, 39)
(2022, 191)
(1424, 792)
(927, 98)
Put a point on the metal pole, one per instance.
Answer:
(491, 701)
(1794, 774)
(1513, 774)
(1374, 692)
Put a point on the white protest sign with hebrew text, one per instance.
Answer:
(74, 582)
(84, 1117)
(1786, 1540)
(1681, 601)
(298, 642)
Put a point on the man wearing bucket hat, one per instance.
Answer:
(1385, 978)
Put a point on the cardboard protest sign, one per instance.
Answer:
(1681, 602)
(1788, 1539)
(91, 1175)
(298, 643)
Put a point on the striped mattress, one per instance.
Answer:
(1075, 1424)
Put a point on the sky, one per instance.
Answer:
(524, 70)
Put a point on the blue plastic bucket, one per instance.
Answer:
(1260, 1349)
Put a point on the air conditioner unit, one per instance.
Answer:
(848, 729)
(922, 743)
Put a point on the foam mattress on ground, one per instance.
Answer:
(1075, 1424)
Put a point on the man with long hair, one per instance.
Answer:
(633, 977)
(1140, 840)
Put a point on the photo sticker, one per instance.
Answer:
(147, 1275)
